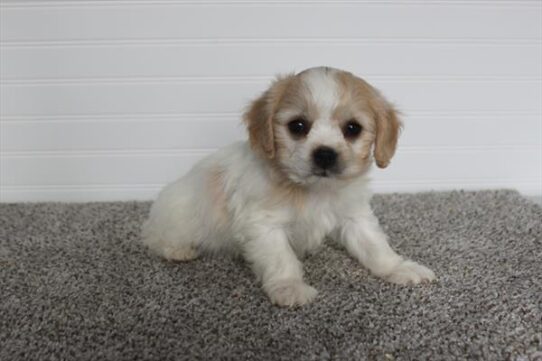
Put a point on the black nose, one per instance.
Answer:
(324, 157)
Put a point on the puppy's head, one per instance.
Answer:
(322, 123)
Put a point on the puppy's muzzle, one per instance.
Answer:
(325, 159)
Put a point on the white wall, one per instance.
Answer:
(111, 99)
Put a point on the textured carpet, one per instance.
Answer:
(76, 285)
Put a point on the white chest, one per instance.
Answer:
(309, 226)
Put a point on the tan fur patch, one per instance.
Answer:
(388, 128)
(354, 99)
(218, 196)
(286, 192)
(260, 115)
(386, 125)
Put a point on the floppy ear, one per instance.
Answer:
(259, 121)
(388, 127)
(259, 117)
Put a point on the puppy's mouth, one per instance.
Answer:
(324, 173)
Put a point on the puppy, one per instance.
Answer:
(302, 177)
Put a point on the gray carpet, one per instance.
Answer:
(76, 285)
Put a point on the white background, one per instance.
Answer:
(108, 100)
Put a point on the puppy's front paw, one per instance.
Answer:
(410, 272)
(289, 293)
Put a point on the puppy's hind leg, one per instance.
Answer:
(180, 253)
(168, 245)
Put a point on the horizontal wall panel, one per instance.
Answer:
(200, 132)
(487, 130)
(251, 20)
(85, 193)
(232, 96)
(266, 59)
(497, 164)
(113, 134)
(103, 168)
(27, 4)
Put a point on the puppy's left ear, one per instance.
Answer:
(388, 127)
(260, 114)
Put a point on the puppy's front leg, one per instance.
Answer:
(278, 268)
(365, 240)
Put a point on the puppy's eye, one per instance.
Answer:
(352, 129)
(299, 127)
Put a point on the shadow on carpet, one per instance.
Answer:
(76, 284)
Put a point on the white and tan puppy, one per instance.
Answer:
(300, 179)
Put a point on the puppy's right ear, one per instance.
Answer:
(260, 114)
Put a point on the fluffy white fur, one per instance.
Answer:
(265, 201)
